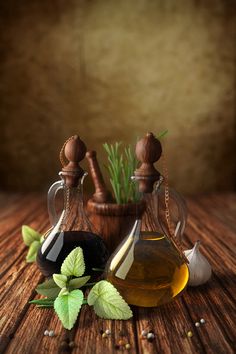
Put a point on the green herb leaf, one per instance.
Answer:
(32, 252)
(49, 288)
(108, 303)
(162, 134)
(60, 280)
(42, 302)
(64, 291)
(121, 167)
(29, 235)
(98, 270)
(68, 306)
(78, 282)
(74, 263)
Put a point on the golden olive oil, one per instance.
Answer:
(148, 270)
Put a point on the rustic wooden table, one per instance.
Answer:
(211, 220)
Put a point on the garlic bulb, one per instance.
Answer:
(199, 267)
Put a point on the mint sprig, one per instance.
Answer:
(64, 294)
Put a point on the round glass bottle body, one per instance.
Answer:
(70, 230)
(147, 268)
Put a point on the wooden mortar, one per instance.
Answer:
(114, 221)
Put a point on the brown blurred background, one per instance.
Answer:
(112, 70)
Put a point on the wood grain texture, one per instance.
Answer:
(211, 220)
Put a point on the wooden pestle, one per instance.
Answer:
(101, 195)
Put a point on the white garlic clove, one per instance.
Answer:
(199, 267)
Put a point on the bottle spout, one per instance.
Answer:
(135, 232)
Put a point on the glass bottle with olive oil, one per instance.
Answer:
(149, 267)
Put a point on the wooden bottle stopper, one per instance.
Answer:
(148, 151)
(101, 194)
(74, 150)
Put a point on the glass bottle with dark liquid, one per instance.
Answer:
(72, 228)
(149, 267)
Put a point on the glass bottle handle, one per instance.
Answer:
(52, 192)
(182, 211)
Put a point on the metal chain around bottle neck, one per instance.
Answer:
(167, 211)
(67, 190)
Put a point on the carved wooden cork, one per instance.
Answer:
(74, 151)
(148, 151)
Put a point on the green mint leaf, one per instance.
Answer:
(74, 263)
(60, 280)
(108, 303)
(49, 288)
(64, 291)
(29, 235)
(78, 282)
(32, 252)
(68, 306)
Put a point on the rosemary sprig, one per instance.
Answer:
(130, 188)
(162, 134)
(115, 168)
(121, 167)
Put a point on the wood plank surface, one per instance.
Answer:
(211, 220)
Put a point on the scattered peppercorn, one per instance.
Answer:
(63, 345)
(117, 346)
(202, 320)
(197, 324)
(46, 332)
(150, 335)
(121, 342)
(72, 344)
(190, 334)
(144, 333)
(101, 331)
(108, 332)
(51, 333)
(127, 346)
(104, 335)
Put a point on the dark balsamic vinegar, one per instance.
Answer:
(57, 246)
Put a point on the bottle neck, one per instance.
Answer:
(138, 180)
(74, 214)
